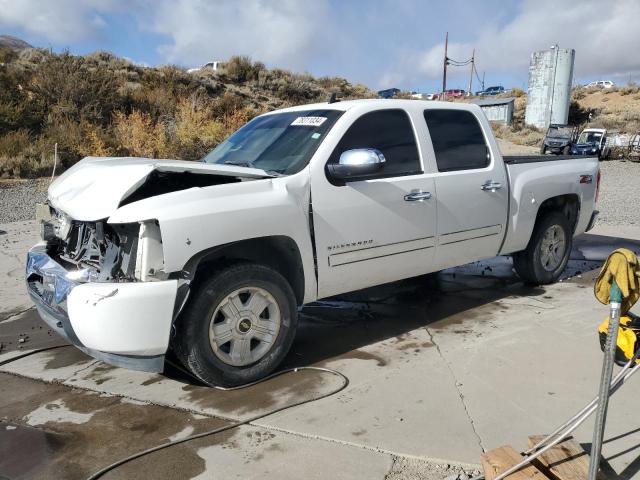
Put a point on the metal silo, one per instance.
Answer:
(549, 94)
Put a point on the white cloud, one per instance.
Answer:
(605, 36)
(280, 33)
(385, 43)
(57, 21)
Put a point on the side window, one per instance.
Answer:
(390, 132)
(457, 140)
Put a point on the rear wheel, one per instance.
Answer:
(238, 326)
(547, 253)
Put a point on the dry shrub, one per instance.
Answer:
(196, 133)
(527, 135)
(97, 142)
(240, 69)
(139, 135)
(13, 143)
(630, 89)
(226, 103)
(232, 121)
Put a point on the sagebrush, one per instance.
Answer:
(102, 105)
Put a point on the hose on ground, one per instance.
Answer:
(342, 386)
(31, 352)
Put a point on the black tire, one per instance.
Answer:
(543, 149)
(566, 150)
(191, 342)
(529, 264)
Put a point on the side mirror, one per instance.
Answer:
(357, 163)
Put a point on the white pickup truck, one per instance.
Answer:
(212, 259)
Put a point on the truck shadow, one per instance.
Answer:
(339, 326)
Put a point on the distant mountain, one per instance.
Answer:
(13, 42)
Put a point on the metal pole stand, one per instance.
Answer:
(615, 301)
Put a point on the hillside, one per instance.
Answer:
(9, 41)
(103, 105)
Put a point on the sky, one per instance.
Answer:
(381, 43)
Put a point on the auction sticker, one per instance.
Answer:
(309, 121)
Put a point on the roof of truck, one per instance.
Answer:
(376, 103)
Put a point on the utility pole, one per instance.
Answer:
(444, 67)
(473, 65)
(483, 81)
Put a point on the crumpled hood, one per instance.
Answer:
(94, 187)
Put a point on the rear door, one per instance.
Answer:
(472, 188)
(375, 230)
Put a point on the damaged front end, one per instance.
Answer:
(102, 286)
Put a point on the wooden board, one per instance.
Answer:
(500, 459)
(565, 461)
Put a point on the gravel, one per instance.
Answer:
(619, 202)
(18, 198)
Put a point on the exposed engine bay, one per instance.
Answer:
(96, 250)
(99, 251)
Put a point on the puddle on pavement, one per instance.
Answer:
(65, 357)
(25, 450)
(57, 448)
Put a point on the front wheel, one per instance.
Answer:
(543, 150)
(238, 326)
(547, 253)
(566, 150)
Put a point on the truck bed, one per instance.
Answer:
(518, 159)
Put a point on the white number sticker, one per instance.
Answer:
(309, 121)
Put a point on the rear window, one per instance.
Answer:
(457, 139)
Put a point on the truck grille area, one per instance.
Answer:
(98, 251)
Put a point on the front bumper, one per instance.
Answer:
(125, 324)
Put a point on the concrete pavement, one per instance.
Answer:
(440, 369)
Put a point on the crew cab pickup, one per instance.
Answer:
(212, 259)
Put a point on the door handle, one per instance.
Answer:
(491, 185)
(417, 196)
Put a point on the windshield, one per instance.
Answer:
(281, 143)
(590, 137)
(560, 132)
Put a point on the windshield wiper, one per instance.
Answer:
(245, 163)
(250, 164)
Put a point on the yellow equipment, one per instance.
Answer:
(627, 341)
(622, 267)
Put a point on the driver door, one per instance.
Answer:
(381, 228)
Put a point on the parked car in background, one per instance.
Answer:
(491, 91)
(206, 66)
(388, 93)
(559, 139)
(455, 93)
(432, 96)
(592, 141)
(213, 258)
(602, 84)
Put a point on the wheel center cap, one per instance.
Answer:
(244, 325)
